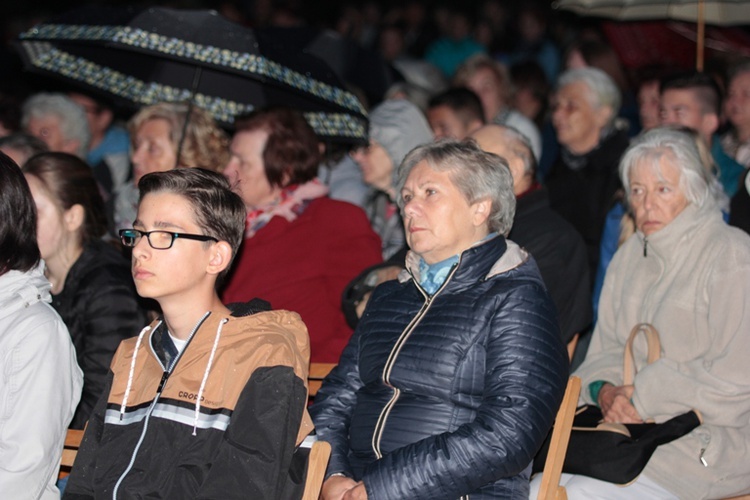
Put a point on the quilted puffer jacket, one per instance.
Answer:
(449, 395)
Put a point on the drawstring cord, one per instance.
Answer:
(132, 369)
(205, 374)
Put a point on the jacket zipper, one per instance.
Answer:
(380, 424)
(167, 371)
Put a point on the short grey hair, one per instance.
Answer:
(520, 146)
(72, 117)
(698, 185)
(604, 91)
(476, 173)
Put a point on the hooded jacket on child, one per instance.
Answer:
(222, 419)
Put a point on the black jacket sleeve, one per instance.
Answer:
(256, 455)
(332, 409)
(81, 482)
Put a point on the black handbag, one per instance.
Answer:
(618, 453)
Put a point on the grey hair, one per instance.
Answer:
(604, 91)
(73, 122)
(698, 185)
(520, 146)
(476, 173)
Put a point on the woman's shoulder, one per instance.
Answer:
(100, 264)
(335, 209)
(339, 218)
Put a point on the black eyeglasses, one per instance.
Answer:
(159, 240)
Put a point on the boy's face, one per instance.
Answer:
(177, 271)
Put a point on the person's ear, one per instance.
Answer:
(604, 115)
(480, 211)
(74, 217)
(221, 256)
(709, 125)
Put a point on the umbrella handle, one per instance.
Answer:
(193, 90)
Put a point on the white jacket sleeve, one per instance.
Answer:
(39, 391)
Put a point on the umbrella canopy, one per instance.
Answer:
(143, 56)
(351, 62)
(718, 12)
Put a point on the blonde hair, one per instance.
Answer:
(205, 145)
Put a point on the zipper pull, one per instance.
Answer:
(645, 245)
(163, 380)
(703, 460)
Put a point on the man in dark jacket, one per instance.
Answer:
(557, 247)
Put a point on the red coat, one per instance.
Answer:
(304, 265)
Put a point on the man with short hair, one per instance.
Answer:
(694, 100)
(554, 243)
(205, 402)
(455, 113)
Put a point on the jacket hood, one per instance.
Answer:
(399, 126)
(21, 289)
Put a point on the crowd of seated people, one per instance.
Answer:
(527, 197)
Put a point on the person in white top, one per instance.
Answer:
(41, 382)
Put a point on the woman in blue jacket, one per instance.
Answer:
(452, 379)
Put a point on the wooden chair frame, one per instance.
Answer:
(317, 373)
(550, 488)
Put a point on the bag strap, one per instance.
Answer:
(654, 350)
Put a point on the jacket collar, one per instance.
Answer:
(670, 237)
(21, 289)
(483, 260)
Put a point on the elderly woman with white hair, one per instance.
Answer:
(583, 180)
(687, 273)
(452, 378)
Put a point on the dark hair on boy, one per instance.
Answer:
(706, 89)
(462, 101)
(18, 247)
(69, 181)
(219, 212)
(291, 155)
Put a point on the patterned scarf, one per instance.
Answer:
(292, 201)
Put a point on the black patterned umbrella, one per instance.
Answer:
(139, 57)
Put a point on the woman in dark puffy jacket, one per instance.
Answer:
(92, 288)
(455, 371)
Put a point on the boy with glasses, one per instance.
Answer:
(202, 403)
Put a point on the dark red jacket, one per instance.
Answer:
(304, 265)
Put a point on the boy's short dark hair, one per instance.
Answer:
(462, 101)
(219, 212)
(706, 89)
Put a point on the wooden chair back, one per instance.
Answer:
(73, 440)
(316, 469)
(318, 372)
(550, 488)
